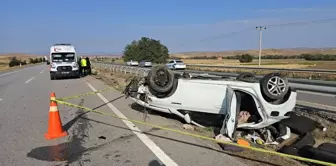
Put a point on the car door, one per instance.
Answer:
(170, 64)
(230, 122)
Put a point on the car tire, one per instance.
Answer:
(246, 77)
(160, 79)
(274, 86)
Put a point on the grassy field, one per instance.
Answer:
(274, 63)
(265, 63)
(270, 63)
(289, 51)
(4, 59)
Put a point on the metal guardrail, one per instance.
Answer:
(264, 68)
(328, 87)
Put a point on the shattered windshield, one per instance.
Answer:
(63, 57)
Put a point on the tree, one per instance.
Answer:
(14, 62)
(146, 49)
(246, 58)
(31, 60)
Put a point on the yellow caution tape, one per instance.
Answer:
(196, 135)
(86, 94)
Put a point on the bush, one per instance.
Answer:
(308, 57)
(319, 57)
(14, 62)
(31, 60)
(245, 58)
(146, 49)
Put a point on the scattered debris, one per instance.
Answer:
(102, 137)
(188, 127)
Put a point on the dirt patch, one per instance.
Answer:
(326, 119)
(114, 79)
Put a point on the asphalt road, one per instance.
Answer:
(93, 139)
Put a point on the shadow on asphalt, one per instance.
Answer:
(155, 163)
(208, 121)
(180, 141)
(142, 109)
(68, 125)
(111, 101)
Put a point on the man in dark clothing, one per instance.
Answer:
(80, 66)
(88, 65)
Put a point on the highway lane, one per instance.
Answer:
(318, 98)
(24, 119)
(93, 139)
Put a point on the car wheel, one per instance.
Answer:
(160, 79)
(246, 77)
(274, 86)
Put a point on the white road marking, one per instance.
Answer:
(42, 71)
(0, 99)
(29, 80)
(316, 93)
(10, 73)
(164, 158)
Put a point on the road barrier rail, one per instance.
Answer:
(328, 87)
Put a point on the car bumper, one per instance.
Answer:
(180, 66)
(73, 73)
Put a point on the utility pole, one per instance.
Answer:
(260, 28)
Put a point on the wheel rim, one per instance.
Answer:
(161, 78)
(276, 85)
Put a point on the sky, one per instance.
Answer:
(107, 26)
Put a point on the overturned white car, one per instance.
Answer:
(244, 102)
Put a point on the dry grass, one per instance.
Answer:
(5, 58)
(294, 51)
(116, 80)
(272, 63)
(269, 63)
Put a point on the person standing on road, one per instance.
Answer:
(80, 65)
(88, 65)
(83, 64)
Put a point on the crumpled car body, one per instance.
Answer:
(222, 98)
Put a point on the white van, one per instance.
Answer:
(63, 61)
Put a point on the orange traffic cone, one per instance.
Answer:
(55, 129)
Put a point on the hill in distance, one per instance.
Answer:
(267, 51)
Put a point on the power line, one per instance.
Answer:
(270, 25)
(302, 22)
